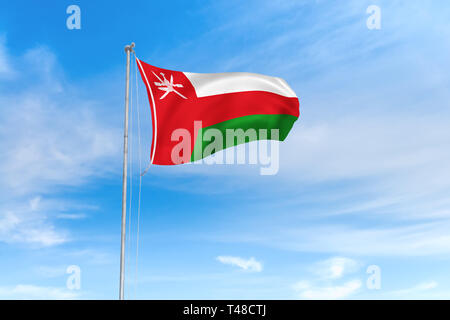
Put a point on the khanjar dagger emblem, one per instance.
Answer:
(167, 86)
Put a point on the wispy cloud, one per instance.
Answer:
(305, 290)
(71, 216)
(335, 268)
(421, 239)
(251, 264)
(92, 256)
(26, 291)
(424, 290)
(325, 274)
(6, 69)
(417, 289)
(51, 271)
(50, 138)
(26, 224)
(366, 169)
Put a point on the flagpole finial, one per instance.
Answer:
(129, 47)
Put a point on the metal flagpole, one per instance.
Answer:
(128, 50)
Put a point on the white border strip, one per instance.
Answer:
(154, 110)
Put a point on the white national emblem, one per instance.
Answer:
(167, 86)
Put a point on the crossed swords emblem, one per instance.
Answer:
(167, 86)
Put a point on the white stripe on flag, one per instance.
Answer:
(208, 84)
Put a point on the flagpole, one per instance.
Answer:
(128, 50)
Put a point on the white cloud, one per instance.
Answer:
(71, 216)
(50, 138)
(305, 290)
(32, 222)
(410, 293)
(411, 240)
(366, 169)
(426, 285)
(25, 291)
(372, 147)
(373, 126)
(5, 64)
(50, 146)
(51, 271)
(421, 239)
(34, 203)
(27, 228)
(326, 273)
(92, 256)
(8, 221)
(335, 268)
(246, 264)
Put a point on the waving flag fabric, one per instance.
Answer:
(235, 100)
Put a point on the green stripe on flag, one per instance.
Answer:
(282, 122)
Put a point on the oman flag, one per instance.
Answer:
(185, 104)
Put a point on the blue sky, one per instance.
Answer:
(364, 175)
